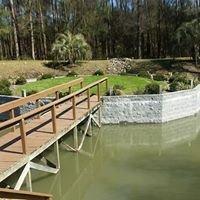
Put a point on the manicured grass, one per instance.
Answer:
(130, 83)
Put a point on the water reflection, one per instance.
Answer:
(161, 135)
(130, 162)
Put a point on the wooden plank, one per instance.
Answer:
(19, 194)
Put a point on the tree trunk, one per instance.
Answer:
(139, 44)
(43, 30)
(196, 51)
(31, 31)
(14, 23)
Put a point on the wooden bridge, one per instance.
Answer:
(25, 136)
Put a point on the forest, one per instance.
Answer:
(112, 28)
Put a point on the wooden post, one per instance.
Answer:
(74, 107)
(106, 84)
(70, 90)
(24, 93)
(88, 98)
(53, 114)
(57, 95)
(81, 84)
(38, 105)
(98, 91)
(23, 136)
(12, 115)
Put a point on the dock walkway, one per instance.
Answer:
(33, 132)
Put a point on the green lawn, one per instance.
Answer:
(130, 83)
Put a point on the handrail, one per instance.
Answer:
(19, 194)
(20, 119)
(49, 105)
(19, 102)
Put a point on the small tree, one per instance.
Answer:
(188, 35)
(71, 47)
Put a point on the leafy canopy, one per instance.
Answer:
(71, 47)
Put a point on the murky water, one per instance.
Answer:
(132, 162)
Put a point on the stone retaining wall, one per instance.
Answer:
(151, 108)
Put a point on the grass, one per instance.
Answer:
(33, 69)
(130, 83)
(29, 68)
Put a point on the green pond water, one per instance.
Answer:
(130, 162)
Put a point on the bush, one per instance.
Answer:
(179, 77)
(117, 90)
(118, 87)
(63, 94)
(196, 82)
(176, 86)
(21, 80)
(160, 77)
(5, 87)
(152, 88)
(72, 73)
(144, 74)
(98, 72)
(31, 92)
(46, 76)
(139, 91)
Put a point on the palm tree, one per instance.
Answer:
(71, 47)
(188, 35)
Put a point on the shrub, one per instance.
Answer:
(98, 72)
(21, 80)
(118, 87)
(152, 88)
(117, 90)
(5, 87)
(72, 73)
(179, 77)
(160, 77)
(176, 86)
(46, 76)
(63, 94)
(139, 91)
(31, 92)
(196, 82)
(144, 74)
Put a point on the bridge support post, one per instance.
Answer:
(56, 146)
(99, 116)
(75, 133)
(29, 181)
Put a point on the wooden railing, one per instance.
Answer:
(10, 106)
(52, 107)
(19, 194)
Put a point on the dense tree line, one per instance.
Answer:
(113, 28)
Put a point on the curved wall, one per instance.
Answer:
(150, 108)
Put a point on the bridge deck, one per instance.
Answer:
(39, 135)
